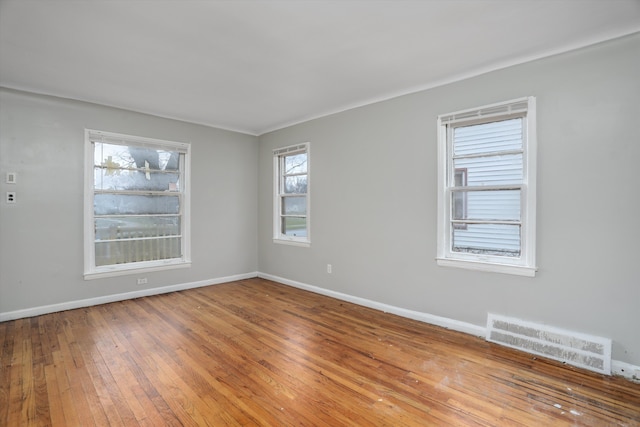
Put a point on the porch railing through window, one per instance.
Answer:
(133, 244)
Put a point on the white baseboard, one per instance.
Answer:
(46, 309)
(403, 312)
(626, 370)
(618, 368)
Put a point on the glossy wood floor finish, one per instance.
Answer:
(257, 353)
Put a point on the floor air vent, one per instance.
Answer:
(584, 351)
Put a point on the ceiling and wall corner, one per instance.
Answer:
(257, 66)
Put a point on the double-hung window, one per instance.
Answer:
(291, 196)
(136, 204)
(487, 188)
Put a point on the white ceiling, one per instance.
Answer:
(256, 66)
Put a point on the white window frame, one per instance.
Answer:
(278, 194)
(91, 271)
(525, 264)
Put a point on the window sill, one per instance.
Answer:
(518, 270)
(304, 244)
(137, 269)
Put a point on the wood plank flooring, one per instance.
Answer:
(258, 353)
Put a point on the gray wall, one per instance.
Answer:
(41, 237)
(373, 200)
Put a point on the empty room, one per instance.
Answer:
(319, 213)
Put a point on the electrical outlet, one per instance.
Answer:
(11, 196)
(142, 281)
(329, 268)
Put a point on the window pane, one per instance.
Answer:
(491, 170)
(295, 184)
(488, 137)
(294, 205)
(294, 226)
(295, 164)
(501, 205)
(121, 252)
(122, 179)
(487, 239)
(136, 227)
(118, 204)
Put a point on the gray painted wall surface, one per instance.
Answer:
(373, 200)
(41, 237)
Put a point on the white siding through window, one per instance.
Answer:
(491, 153)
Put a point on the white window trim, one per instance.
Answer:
(90, 269)
(525, 265)
(278, 237)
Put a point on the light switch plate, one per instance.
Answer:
(12, 177)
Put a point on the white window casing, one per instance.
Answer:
(292, 195)
(137, 204)
(487, 188)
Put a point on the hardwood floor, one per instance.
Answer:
(257, 353)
